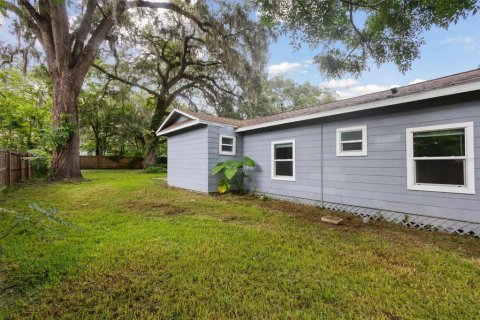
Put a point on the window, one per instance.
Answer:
(283, 160)
(441, 158)
(227, 145)
(352, 141)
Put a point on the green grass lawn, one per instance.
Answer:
(125, 245)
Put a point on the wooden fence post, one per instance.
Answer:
(8, 169)
(25, 163)
(28, 167)
(19, 164)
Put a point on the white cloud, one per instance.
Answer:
(416, 81)
(349, 88)
(342, 83)
(469, 42)
(284, 67)
(307, 63)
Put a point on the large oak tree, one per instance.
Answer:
(70, 50)
(180, 63)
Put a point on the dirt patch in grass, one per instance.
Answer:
(241, 220)
(155, 208)
(295, 210)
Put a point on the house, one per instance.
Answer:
(410, 154)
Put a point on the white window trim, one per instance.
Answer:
(284, 178)
(234, 146)
(469, 187)
(364, 141)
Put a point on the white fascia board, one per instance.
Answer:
(186, 125)
(189, 124)
(218, 124)
(372, 105)
(171, 114)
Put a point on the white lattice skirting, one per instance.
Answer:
(408, 220)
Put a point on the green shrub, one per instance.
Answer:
(136, 161)
(158, 168)
(231, 174)
(40, 162)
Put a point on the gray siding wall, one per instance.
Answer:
(188, 159)
(214, 156)
(378, 180)
(308, 175)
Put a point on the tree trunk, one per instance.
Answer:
(66, 154)
(151, 155)
(152, 140)
(98, 150)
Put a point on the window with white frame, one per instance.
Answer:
(227, 145)
(441, 158)
(352, 141)
(283, 160)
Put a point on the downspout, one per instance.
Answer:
(321, 163)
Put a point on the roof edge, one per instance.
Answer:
(435, 93)
(160, 133)
(175, 110)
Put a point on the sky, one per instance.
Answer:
(446, 52)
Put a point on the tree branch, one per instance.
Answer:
(31, 10)
(177, 92)
(364, 41)
(364, 5)
(157, 55)
(38, 24)
(60, 32)
(32, 22)
(203, 63)
(204, 26)
(207, 80)
(88, 54)
(101, 10)
(83, 31)
(130, 83)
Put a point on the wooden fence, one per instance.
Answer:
(14, 167)
(101, 162)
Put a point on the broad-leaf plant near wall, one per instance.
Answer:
(232, 172)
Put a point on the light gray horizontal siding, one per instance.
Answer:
(378, 180)
(214, 155)
(188, 159)
(307, 158)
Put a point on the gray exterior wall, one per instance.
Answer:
(214, 156)
(308, 175)
(378, 180)
(193, 153)
(188, 159)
